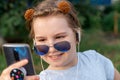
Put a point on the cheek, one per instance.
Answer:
(73, 46)
(73, 43)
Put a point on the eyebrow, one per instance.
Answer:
(64, 33)
(38, 37)
(61, 33)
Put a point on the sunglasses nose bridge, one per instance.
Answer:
(51, 44)
(51, 49)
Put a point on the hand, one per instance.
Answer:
(6, 72)
(34, 77)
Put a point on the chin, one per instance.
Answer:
(57, 65)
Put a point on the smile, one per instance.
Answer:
(56, 56)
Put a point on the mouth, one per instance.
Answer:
(56, 56)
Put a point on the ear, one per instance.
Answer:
(78, 35)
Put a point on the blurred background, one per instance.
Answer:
(100, 21)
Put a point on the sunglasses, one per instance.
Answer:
(62, 46)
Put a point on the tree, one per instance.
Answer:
(12, 23)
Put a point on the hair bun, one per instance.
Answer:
(64, 6)
(28, 14)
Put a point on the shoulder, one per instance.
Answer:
(89, 55)
(92, 55)
(95, 59)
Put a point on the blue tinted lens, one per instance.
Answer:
(62, 46)
(41, 49)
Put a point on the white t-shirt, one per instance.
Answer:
(91, 66)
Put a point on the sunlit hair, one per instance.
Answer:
(53, 8)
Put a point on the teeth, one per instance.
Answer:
(54, 57)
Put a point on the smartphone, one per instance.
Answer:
(17, 51)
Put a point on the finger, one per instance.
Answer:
(15, 65)
(6, 72)
(18, 64)
(32, 77)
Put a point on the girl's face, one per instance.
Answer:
(50, 30)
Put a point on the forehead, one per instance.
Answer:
(50, 24)
(50, 20)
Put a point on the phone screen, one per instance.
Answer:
(17, 52)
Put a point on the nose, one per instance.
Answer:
(51, 48)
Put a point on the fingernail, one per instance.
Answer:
(25, 60)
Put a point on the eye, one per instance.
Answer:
(41, 40)
(59, 37)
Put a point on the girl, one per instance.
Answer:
(56, 31)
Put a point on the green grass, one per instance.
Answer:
(2, 62)
(91, 39)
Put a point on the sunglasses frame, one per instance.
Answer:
(62, 46)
